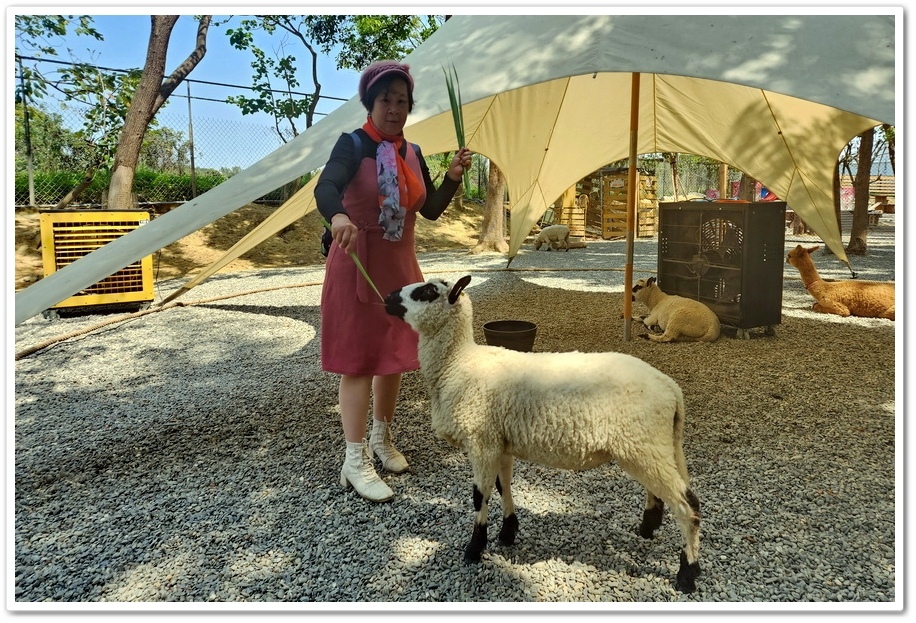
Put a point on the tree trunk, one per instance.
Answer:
(672, 160)
(747, 189)
(858, 237)
(889, 136)
(151, 94)
(493, 230)
(72, 196)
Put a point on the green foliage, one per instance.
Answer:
(42, 34)
(361, 39)
(356, 39)
(56, 148)
(165, 149)
(167, 187)
(150, 186)
(51, 186)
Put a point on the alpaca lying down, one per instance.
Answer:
(846, 297)
(566, 410)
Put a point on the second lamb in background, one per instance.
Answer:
(554, 236)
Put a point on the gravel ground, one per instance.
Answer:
(192, 455)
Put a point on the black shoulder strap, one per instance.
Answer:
(357, 149)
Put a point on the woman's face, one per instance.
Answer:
(389, 112)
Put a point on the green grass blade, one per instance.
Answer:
(454, 98)
(359, 265)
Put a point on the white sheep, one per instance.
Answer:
(679, 318)
(567, 410)
(554, 236)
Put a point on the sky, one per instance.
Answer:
(126, 31)
(126, 34)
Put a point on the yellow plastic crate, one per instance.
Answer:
(67, 235)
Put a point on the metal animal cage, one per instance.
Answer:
(67, 235)
(726, 255)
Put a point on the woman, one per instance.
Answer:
(371, 199)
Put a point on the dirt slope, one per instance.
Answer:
(457, 229)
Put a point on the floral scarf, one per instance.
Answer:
(398, 187)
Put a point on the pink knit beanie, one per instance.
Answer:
(377, 70)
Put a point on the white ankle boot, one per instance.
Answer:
(358, 471)
(380, 445)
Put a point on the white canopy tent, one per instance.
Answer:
(548, 99)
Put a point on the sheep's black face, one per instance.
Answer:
(639, 285)
(394, 305)
(421, 305)
(397, 302)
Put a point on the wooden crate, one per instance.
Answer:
(574, 218)
(615, 192)
(614, 220)
(646, 222)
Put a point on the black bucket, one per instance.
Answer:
(511, 334)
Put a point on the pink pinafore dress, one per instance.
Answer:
(357, 337)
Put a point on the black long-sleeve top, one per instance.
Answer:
(342, 166)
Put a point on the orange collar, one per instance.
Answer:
(808, 287)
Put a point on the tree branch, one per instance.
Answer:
(185, 68)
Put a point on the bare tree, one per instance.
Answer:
(858, 236)
(493, 229)
(747, 188)
(671, 157)
(152, 92)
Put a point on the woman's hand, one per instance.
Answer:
(344, 232)
(460, 163)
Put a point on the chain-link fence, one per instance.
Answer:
(185, 155)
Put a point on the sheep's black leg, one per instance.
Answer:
(669, 486)
(504, 485)
(509, 530)
(687, 575)
(651, 516)
(690, 526)
(479, 536)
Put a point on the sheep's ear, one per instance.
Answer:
(458, 288)
(650, 281)
(812, 249)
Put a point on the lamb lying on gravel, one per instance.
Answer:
(680, 318)
(567, 410)
(846, 297)
(553, 236)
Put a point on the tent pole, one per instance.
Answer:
(632, 193)
(723, 181)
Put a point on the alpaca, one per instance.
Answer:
(847, 297)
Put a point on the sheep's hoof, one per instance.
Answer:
(477, 545)
(509, 530)
(687, 575)
(651, 521)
